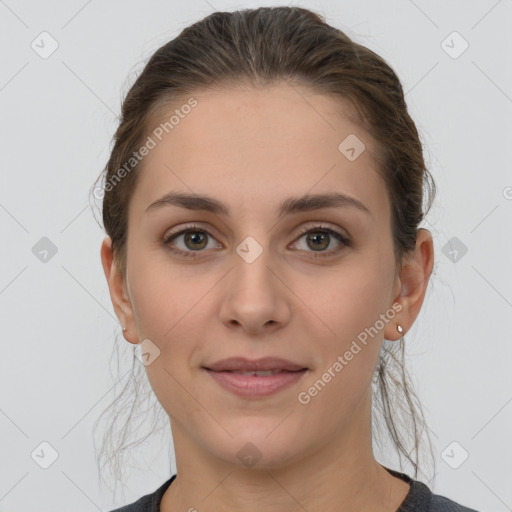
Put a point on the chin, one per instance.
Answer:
(261, 448)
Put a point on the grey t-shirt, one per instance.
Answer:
(418, 499)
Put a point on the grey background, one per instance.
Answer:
(58, 325)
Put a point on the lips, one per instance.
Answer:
(242, 365)
(256, 379)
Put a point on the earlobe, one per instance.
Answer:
(395, 330)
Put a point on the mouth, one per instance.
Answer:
(256, 383)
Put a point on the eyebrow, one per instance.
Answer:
(305, 203)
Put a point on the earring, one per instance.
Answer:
(124, 328)
(399, 328)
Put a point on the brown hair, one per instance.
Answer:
(258, 47)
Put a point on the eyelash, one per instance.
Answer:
(190, 254)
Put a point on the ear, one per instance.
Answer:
(117, 288)
(411, 285)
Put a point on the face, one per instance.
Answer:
(251, 283)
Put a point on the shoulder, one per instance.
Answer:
(134, 507)
(421, 499)
(443, 504)
(141, 505)
(149, 502)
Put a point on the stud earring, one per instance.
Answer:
(124, 328)
(399, 328)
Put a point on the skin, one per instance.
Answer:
(251, 150)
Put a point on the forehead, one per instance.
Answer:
(249, 145)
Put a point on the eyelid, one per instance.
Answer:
(319, 225)
(188, 227)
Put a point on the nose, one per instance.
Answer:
(255, 298)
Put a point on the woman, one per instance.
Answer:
(262, 203)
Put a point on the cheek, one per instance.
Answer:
(349, 350)
(171, 307)
(168, 311)
(351, 299)
(160, 295)
(349, 309)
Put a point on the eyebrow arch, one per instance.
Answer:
(305, 203)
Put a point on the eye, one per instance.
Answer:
(320, 237)
(195, 239)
